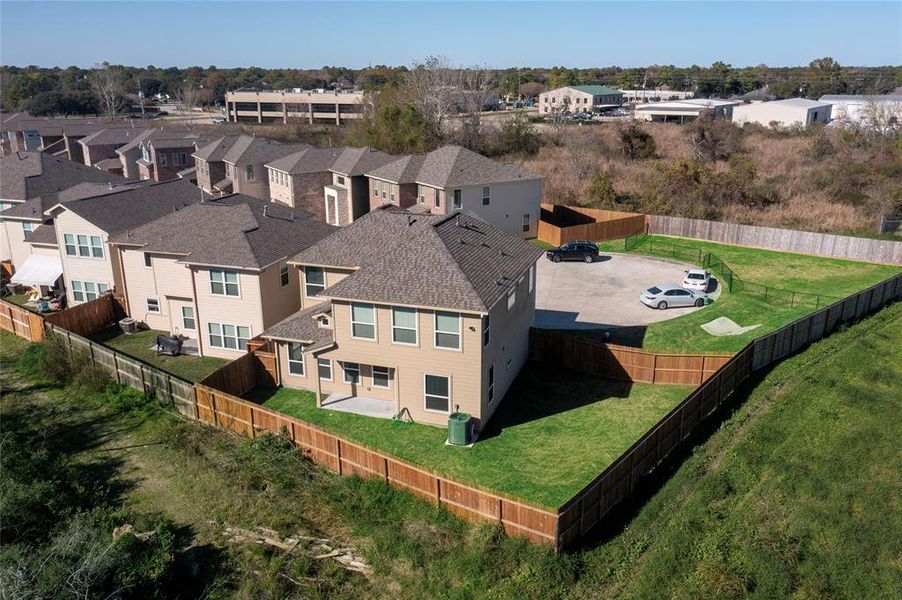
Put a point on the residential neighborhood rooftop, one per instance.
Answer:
(307, 160)
(303, 327)
(249, 149)
(43, 234)
(25, 175)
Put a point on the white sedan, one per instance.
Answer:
(697, 279)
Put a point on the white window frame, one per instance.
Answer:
(436, 199)
(98, 247)
(86, 245)
(192, 318)
(295, 362)
(450, 395)
(225, 283)
(416, 326)
(307, 282)
(77, 290)
(457, 199)
(148, 306)
(373, 324)
(375, 188)
(486, 195)
(284, 277)
(27, 227)
(222, 335)
(527, 223)
(320, 363)
(486, 330)
(345, 370)
(387, 372)
(69, 242)
(421, 194)
(436, 331)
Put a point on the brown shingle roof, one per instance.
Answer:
(302, 327)
(111, 135)
(235, 231)
(357, 161)
(217, 149)
(458, 261)
(401, 171)
(308, 160)
(43, 234)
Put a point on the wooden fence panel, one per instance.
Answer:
(88, 317)
(21, 321)
(562, 224)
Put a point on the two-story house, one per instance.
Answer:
(216, 271)
(425, 314)
(297, 180)
(84, 226)
(99, 148)
(210, 166)
(453, 178)
(30, 183)
(245, 160)
(347, 196)
(130, 153)
(162, 159)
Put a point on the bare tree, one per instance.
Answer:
(474, 94)
(108, 84)
(431, 87)
(187, 98)
(884, 118)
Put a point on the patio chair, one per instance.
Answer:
(168, 345)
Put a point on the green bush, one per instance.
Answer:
(637, 143)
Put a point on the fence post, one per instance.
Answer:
(115, 365)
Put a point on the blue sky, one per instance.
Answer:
(493, 34)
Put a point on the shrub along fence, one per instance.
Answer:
(566, 350)
(561, 224)
(788, 240)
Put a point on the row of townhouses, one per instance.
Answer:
(402, 279)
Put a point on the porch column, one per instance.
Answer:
(397, 392)
(319, 383)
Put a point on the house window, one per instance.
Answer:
(148, 261)
(188, 321)
(339, 180)
(314, 281)
(283, 273)
(184, 159)
(404, 325)
(96, 246)
(78, 293)
(447, 330)
(532, 278)
(69, 240)
(511, 298)
(249, 170)
(526, 222)
(162, 159)
(363, 321)
(437, 393)
(324, 366)
(458, 200)
(491, 383)
(380, 377)
(85, 291)
(83, 249)
(153, 305)
(421, 191)
(391, 192)
(486, 196)
(229, 337)
(27, 227)
(375, 189)
(295, 358)
(224, 283)
(486, 328)
(351, 372)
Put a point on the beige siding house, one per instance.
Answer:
(415, 314)
(579, 98)
(216, 271)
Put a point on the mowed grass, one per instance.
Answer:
(141, 345)
(553, 433)
(795, 272)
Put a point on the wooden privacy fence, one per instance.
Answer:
(87, 318)
(518, 517)
(132, 372)
(570, 351)
(788, 240)
(586, 509)
(21, 321)
(561, 224)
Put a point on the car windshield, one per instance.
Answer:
(654, 290)
(696, 276)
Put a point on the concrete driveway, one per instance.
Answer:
(576, 295)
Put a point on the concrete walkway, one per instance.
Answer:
(576, 295)
(370, 407)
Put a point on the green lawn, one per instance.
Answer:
(141, 345)
(796, 272)
(552, 435)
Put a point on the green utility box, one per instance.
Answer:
(458, 429)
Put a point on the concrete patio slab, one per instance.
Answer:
(370, 407)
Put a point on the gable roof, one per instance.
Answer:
(596, 90)
(233, 231)
(357, 161)
(302, 327)
(34, 209)
(401, 171)
(156, 134)
(216, 150)
(122, 209)
(308, 160)
(25, 175)
(111, 136)
(458, 261)
(248, 149)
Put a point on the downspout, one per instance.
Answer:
(200, 333)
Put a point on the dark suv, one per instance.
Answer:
(584, 251)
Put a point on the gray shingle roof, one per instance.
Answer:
(302, 327)
(43, 234)
(26, 175)
(33, 208)
(308, 160)
(249, 150)
(234, 231)
(111, 135)
(217, 149)
(357, 161)
(458, 261)
(156, 135)
(120, 210)
(451, 166)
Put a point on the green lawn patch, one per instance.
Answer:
(747, 305)
(552, 434)
(141, 345)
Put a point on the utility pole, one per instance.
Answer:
(141, 98)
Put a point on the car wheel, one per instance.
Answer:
(588, 258)
(700, 302)
(557, 258)
(662, 305)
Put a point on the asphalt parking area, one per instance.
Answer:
(602, 294)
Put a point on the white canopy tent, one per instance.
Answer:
(38, 270)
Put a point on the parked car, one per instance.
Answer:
(218, 121)
(697, 279)
(666, 296)
(578, 250)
